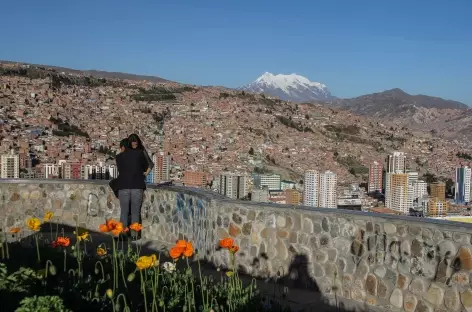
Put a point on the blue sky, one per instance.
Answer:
(354, 47)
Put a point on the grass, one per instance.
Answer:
(49, 271)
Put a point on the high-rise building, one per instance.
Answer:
(438, 190)
(233, 185)
(311, 185)
(10, 165)
(328, 183)
(396, 162)
(420, 189)
(161, 167)
(397, 192)
(320, 189)
(71, 170)
(375, 177)
(463, 177)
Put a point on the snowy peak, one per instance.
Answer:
(290, 87)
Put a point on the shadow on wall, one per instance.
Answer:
(80, 275)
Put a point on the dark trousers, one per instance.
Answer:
(130, 203)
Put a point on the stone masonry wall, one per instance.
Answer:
(381, 262)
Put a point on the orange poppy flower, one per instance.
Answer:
(112, 226)
(188, 251)
(126, 230)
(234, 249)
(181, 244)
(175, 252)
(61, 242)
(136, 227)
(15, 230)
(103, 228)
(226, 243)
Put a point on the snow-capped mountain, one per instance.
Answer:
(291, 87)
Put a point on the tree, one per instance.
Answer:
(251, 151)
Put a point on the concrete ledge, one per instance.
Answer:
(381, 262)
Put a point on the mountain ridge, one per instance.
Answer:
(394, 102)
(289, 87)
(96, 73)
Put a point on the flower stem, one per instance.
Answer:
(143, 288)
(115, 282)
(65, 260)
(37, 247)
(6, 246)
(205, 304)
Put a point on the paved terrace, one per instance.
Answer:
(364, 261)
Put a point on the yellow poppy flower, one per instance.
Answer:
(145, 262)
(83, 236)
(48, 215)
(34, 224)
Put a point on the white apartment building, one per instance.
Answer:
(271, 181)
(233, 185)
(388, 190)
(420, 189)
(10, 164)
(100, 171)
(463, 180)
(396, 162)
(412, 176)
(311, 185)
(51, 171)
(327, 195)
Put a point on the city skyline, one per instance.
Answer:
(354, 48)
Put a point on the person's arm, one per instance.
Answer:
(145, 164)
(149, 162)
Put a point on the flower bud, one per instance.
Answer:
(131, 277)
(110, 293)
(52, 270)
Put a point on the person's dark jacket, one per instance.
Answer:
(150, 164)
(131, 166)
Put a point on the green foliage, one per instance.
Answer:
(42, 304)
(290, 123)
(429, 177)
(156, 93)
(80, 280)
(65, 129)
(464, 156)
(19, 281)
(354, 165)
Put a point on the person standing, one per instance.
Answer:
(131, 166)
(135, 143)
(124, 145)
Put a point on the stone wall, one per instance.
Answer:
(381, 262)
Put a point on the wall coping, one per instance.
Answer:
(209, 195)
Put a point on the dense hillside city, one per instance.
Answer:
(60, 123)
